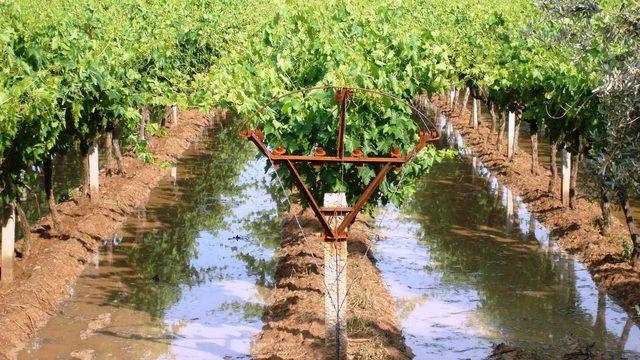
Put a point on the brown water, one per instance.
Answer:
(189, 275)
(468, 266)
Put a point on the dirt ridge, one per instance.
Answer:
(575, 229)
(294, 318)
(44, 280)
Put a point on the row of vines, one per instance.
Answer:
(77, 72)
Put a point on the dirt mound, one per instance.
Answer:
(508, 352)
(294, 320)
(45, 279)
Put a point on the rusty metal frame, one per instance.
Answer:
(396, 159)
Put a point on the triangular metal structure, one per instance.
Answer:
(278, 156)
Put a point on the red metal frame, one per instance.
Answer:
(278, 156)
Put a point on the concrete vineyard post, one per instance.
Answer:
(452, 95)
(174, 114)
(475, 113)
(509, 205)
(8, 222)
(511, 135)
(566, 176)
(174, 175)
(335, 277)
(94, 173)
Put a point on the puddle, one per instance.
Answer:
(468, 267)
(466, 263)
(189, 275)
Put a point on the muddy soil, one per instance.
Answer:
(294, 320)
(45, 279)
(576, 229)
(508, 352)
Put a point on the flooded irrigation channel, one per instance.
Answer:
(466, 273)
(189, 275)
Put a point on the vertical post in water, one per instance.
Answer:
(566, 177)
(174, 175)
(507, 192)
(335, 276)
(174, 114)
(511, 135)
(8, 222)
(475, 113)
(94, 173)
(509, 204)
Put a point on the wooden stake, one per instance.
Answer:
(8, 242)
(335, 276)
(511, 135)
(174, 111)
(566, 177)
(94, 173)
(474, 118)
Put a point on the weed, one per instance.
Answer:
(154, 129)
(147, 157)
(368, 352)
(143, 152)
(627, 249)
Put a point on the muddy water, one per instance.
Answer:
(189, 274)
(465, 274)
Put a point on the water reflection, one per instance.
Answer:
(189, 275)
(466, 273)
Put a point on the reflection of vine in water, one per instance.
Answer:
(264, 228)
(245, 310)
(162, 258)
(515, 283)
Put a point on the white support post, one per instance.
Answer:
(94, 173)
(174, 175)
(174, 112)
(335, 277)
(452, 95)
(511, 134)
(8, 222)
(509, 204)
(566, 176)
(475, 114)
